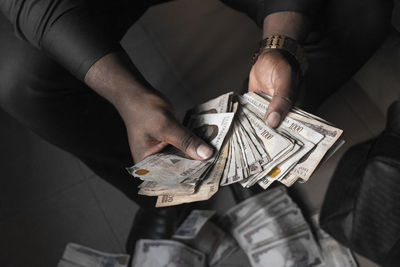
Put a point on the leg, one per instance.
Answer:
(62, 110)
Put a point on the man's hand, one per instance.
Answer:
(151, 125)
(273, 75)
(148, 117)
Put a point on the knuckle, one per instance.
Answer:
(186, 141)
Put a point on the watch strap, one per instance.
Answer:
(287, 44)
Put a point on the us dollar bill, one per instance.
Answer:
(240, 212)
(160, 253)
(270, 229)
(215, 243)
(81, 256)
(299, 249)
(193, 224)
(263, 214)
(333, 253)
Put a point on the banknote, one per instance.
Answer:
(205, 190)
(221, 104)
(161, 253)
(299, 249)
(333, 253)
(215, 243)
(263, 214)
(306, 167)
(199, 233)
(278, 146)
(250, 153)
(239, 213)
(193, 224)
(150, 188)
(331, 134)
(270, 228)
(309, 139)
(272, 231)
(81, 256)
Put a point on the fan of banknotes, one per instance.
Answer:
(247, 150)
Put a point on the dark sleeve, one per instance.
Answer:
(307, 7)
(259, 9)
(71, 31)
(396, 15)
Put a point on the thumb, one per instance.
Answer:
(278, 108)
(183, 139)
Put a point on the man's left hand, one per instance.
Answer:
(274, 75)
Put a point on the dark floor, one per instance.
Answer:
(49, 198)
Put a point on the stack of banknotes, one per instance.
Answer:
(272, 231)
(246, 151)
(197, 243)
(267, 229)
(76, 255)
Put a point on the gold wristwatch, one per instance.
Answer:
(287, 44)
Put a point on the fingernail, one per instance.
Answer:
(273, 119)
(204, 151)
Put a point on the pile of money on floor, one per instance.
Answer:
(268, 228)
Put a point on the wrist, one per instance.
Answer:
(288, 48)
(128, 95)
(291, 24)
(116, 79)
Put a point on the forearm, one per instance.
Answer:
(148, 117)
(292, 24)
(115, 78)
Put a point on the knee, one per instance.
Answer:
(25, 76)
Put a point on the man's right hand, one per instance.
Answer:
(148, 117)
(151, 125)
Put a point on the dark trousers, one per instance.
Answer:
(44, 97)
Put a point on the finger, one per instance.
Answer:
(183, 139)
(278, 108)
